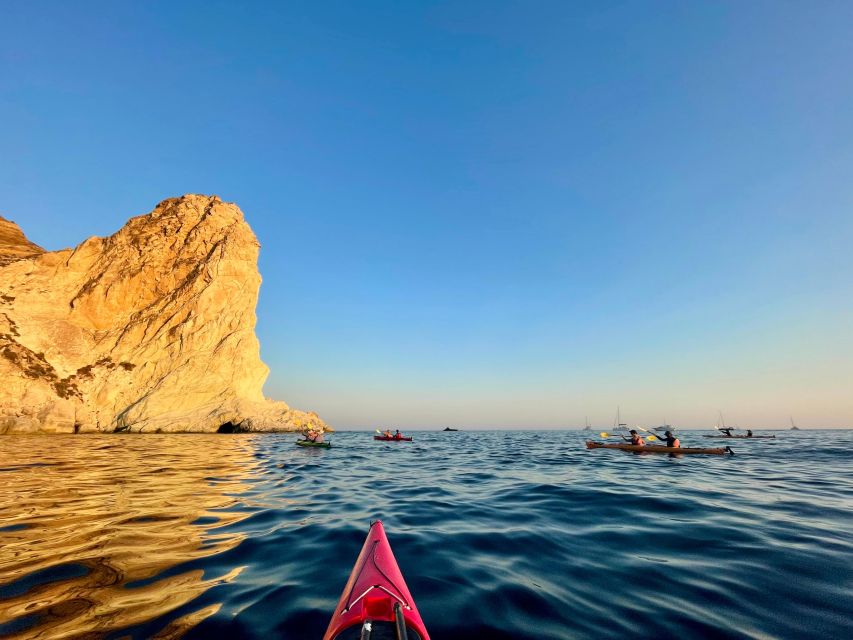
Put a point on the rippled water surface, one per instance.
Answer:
(499, 534)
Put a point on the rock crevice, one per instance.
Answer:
(151, 329)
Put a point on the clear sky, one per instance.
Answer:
(492, 214)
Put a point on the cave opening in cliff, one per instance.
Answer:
(229, 427)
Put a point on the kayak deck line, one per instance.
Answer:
(372, 557)
(381, 588)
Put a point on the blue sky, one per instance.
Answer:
(485, 214)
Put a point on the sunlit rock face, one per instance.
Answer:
(150, 329)
(14, 244)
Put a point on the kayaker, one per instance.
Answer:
(312, 435)
(635, 439)
(387, 433)
(671, 440)
(749, 433)
(398, 435)
(727, 431)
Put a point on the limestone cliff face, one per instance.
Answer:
(151, 329)
(14, 244)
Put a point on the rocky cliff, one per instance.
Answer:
(14, 244)
(151, 329)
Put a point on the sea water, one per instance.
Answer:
(501, 534)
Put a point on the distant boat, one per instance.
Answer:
(587, 427)
(664, 426)
(449, 429)
(724, 427)
(793, 426)
(618, 424)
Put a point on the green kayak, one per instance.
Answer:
(308, 443)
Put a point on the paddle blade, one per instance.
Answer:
(651, 438)
(604, 434)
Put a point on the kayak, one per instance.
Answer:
(376, 602)
(309, 443)
(653, 448)
(742, 437)
(386, 439)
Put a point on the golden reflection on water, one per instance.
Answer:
(82, 518)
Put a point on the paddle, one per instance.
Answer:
(650, 437)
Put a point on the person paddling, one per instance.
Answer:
(749, 433)
(398, 435)
(387, 433)
(635, 439)
(313, 435)
(671, 440)
(727, 431)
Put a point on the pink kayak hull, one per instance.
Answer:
(374, 586)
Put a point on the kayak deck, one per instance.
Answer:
(376, 592)
(309, 443)
(651, 448)
(385, 439)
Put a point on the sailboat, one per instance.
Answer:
(723, 423)
(793, 426)
(618, 424)
(587, 427)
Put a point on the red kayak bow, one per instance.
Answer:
(376, 602)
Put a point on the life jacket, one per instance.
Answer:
(676, 443)
(637, 441)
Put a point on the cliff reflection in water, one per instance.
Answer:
(99, 533)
